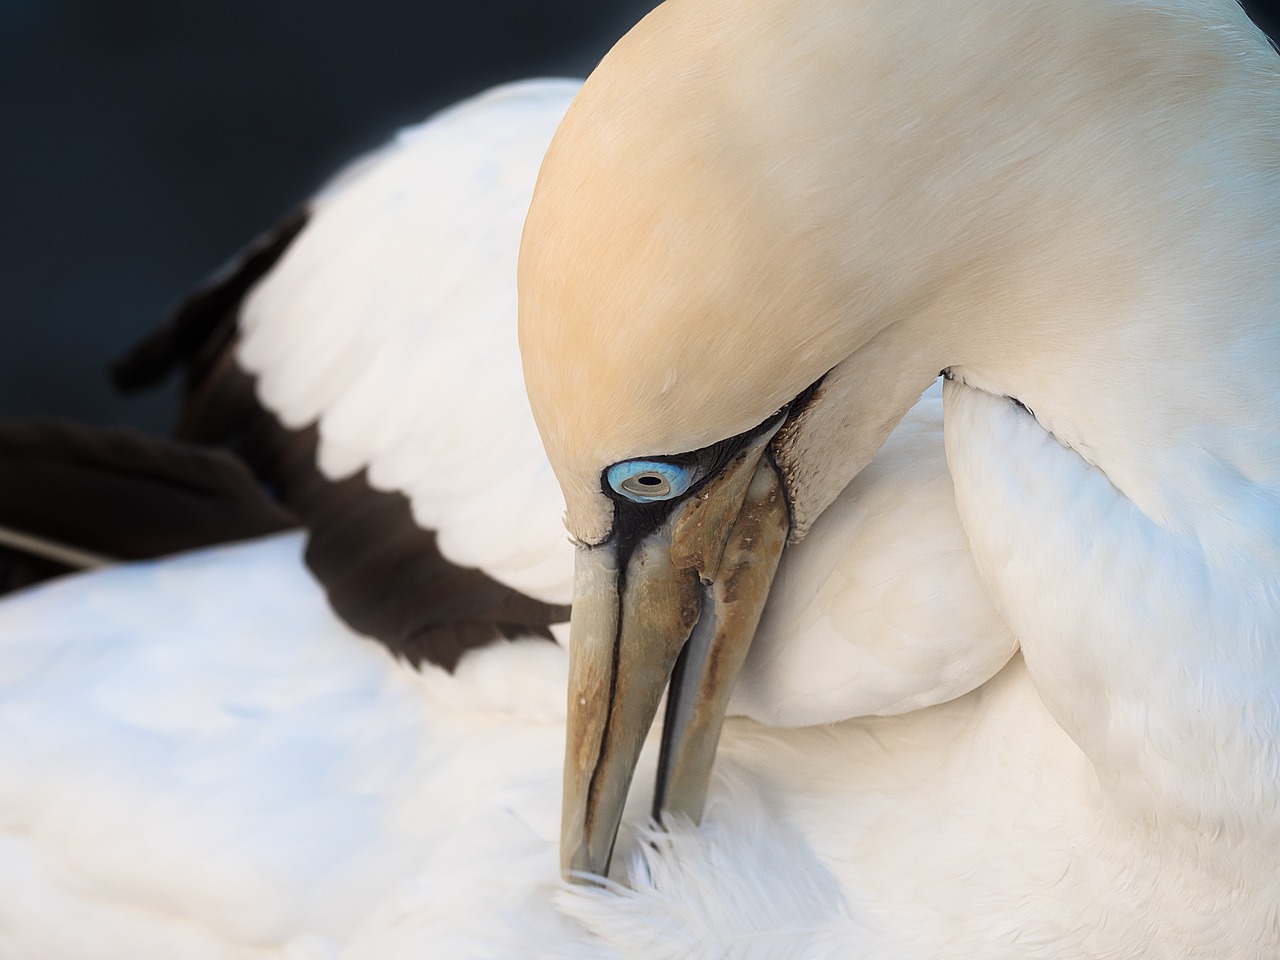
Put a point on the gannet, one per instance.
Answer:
(761, 231)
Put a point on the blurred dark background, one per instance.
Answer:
(146, 140)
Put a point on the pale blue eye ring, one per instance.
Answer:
(644, 481)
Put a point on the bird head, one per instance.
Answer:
(682, 331)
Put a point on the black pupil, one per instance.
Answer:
(649, 481)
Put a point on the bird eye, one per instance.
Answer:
(646, 480)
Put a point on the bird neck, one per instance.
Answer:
(1125, 513)
(1111, 268)
(1152, 648)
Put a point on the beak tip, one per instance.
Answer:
(585, 878)
(578, 866)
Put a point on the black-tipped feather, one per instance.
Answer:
(198, 315)
(384, 575)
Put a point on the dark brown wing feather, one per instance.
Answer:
(121, 494)
(384, 575)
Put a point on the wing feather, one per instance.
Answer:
(362, 357)
(73, 496)
(390, 323)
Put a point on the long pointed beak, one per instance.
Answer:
(682, 605)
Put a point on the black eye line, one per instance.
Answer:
(633, 520)
(715, 455)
